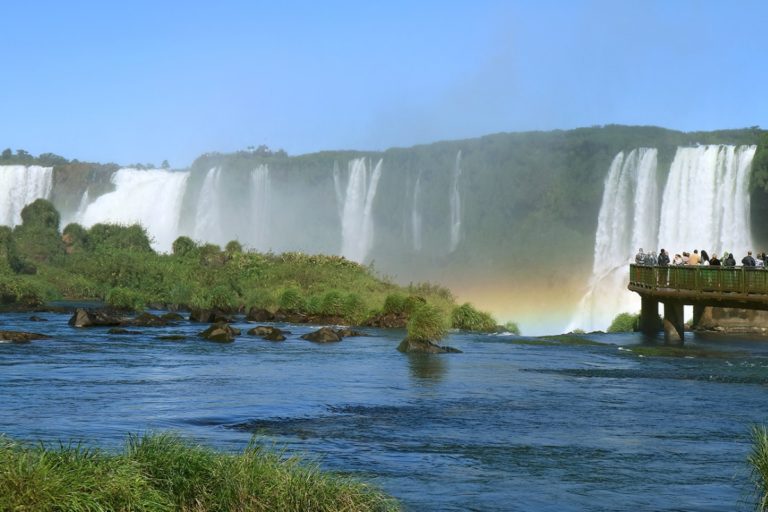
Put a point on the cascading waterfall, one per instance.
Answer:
(628, 220)
(416, 215)
(356, 216)
(705, 205)
(706, 200)
(151, 198)
(260, 205)
(19, 186)
(208, 211)
(455, 205)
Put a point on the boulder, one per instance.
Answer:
(92, 318)
(209, 316)
(322, 335)
(290, 317)
(259, 315)
(346, 332)
(387, 321)
(172, 337)
(35, 318)
(146, 320)
(172, 317)
(411, 346)
(268, 333)
(20, 336)
(220, 332)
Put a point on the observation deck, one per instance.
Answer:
(698, 286)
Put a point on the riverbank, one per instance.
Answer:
(165, 472)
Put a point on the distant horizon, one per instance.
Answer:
(158, 165)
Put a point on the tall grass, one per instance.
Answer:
(164, 472)
(758, 460)
(427, 323)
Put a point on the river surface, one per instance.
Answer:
(503, 426)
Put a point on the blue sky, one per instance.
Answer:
(146, 81)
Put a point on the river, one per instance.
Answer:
(503, 426)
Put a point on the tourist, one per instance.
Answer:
(704, 258)
(694, 258)
(713, 261)
(759, 261)
(651, 259)
(677, 260)
(663, 260)
(686, 258)
(729, 260)
(640, 257)
(748, 260)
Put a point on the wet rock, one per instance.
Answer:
(20, 336)
(35, 318)
(290, 317)
(387, 321)
(259, 315)
(92, 318)
(172, 317)
(172, 337)
(412, 346)
(268, 333)
(322, 335)
(220, 332)
(346, 332)
(209, 316)
(146, 320)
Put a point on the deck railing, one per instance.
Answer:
(746, 280)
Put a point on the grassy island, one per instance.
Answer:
(164, 472)
(116, 264)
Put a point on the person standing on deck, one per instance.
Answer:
(748, 260)
(640, 257)
(729, 260)
(694, 259)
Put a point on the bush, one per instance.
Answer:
(223, 298)
(291, 300)
(75, 237)
(333, 304)
(184, 246)
(512, 327)
(233, 247)
(758, 460)
(467, 318)
(625, 322)
(40, 214)
(109, 237)
(427, 323)
(394, 304)
(125, 298)
(355, 308)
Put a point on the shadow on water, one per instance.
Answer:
(427, 367)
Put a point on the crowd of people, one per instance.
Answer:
(696, 258)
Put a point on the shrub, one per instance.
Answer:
(41, 214)
(109, 237)
(224, 298)
(758, 460)
(333, 303)
(467, 318)
(355, 308)
(512, 327)
(291, 300)
(427, 323)
(184, 246)
(260, 298)
(394, 304)
(233, 247)
(625, 322)
(125, 298)
(75, 237)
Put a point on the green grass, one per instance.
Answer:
(467, 318)
(427, 323)
(758, 461)
(164, 472)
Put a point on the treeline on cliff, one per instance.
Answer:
(116, 264)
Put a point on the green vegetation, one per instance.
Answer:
(758, 460)
(427, 323)
(625, 322)
(164, 472)
(467, 318)
(117, 264)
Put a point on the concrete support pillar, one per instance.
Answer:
(674, 322)
(698, 312)
(649, 316)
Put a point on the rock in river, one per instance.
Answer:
(20, 337)
(322, 335)
(268, 333)
(220, 332)
(410, 345)
(92, 318)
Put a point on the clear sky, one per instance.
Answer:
(144, 81)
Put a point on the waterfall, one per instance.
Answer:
(456, 205)
(705, 205)
(628, 220)
(357, 218)
(151, 198)
(19, 186)
(208, 212)
(260, 205)
(706, 200)
(416, 215)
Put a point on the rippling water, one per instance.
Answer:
(502, 426)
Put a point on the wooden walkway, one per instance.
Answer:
(699, 286)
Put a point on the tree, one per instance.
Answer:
(165, 165)
(183, 246)
(7, 154)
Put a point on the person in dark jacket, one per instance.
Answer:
(663, 258)
(748, 260)
(713, 261)
(729, 260)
